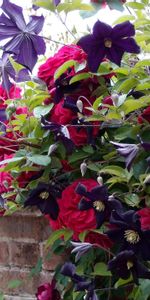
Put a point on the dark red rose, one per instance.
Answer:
(65, 165)
(15, 92)
(48, 291)
(100, 239)
(145, 116)
(145, 217)
(47, 70)
(65, 116)
(70, 216)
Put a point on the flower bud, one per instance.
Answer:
(83, 168)
(115, 98)
(147, 180)
(80, 105)
(100, 180)
(52, 148)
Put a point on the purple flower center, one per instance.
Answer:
(108, 43)
(99, 205)
(131, 236)
(44, 195)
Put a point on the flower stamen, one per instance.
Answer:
(99, 205)
(131, 236)
(44, 195)
(108, 43)
(129, 264)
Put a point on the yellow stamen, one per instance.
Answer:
(99, 205)
(44, 195)
(129, 264)
(108, 43)
(131, 236)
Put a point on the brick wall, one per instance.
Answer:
(22, 240)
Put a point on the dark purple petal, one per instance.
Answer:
(86, 42)
(95, 57)
(125, 29)
(100, 218)
(68, 269)
(35, 24)
(2, 115)
(85, 205)
(14, 44)
(6, 21)
(15, 13)
(101, 31)
(115, 54)
(128, 45)
(81, 190)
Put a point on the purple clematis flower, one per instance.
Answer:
(145, 145)
(25, 42)
(80, 249)
(44, 197)
(108, 42)
(80, 282)
(61, 133)
(63, 87)
(129, 151)
(7, 71)
(125, 264)
(99, 200)
(128, 233)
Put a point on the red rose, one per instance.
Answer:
(15, 92)
(100, 239)
(65, 116)
(47, 70)
(47, 291)
(70, 216)
(144, 218)
(145, 116)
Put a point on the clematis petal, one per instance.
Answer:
(125, 29)
(39, 44)
(27, 55)
(68, 269)
(86, 42)
(85, 205)
(101, 30)
(95, 57)
(13, 45)
(115, 54)
(7, 31)
(35, 24)
(128, 45)
(15, 13)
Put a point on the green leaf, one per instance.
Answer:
(79, 77)
(114, 170)
(47, 4)
(65, 233)
(121, 282)
(17, 67)
(11, 160)
(42, 110)
(127, 85)
(143, 63)
(101, 269)
(132, 200)
(41, 160)
(13, 284)
(124, 18)
(1, 296)
(132, 105)
(135, 5)
(63, 68)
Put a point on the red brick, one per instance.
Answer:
(24, 254)
(50, 260)
(29, 227)
(28, 286)
(4, 253)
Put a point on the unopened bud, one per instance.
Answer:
(100, 180)
(147, 180)
(80, 105)
(115, 98)
(52, 148)
(83, 168)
